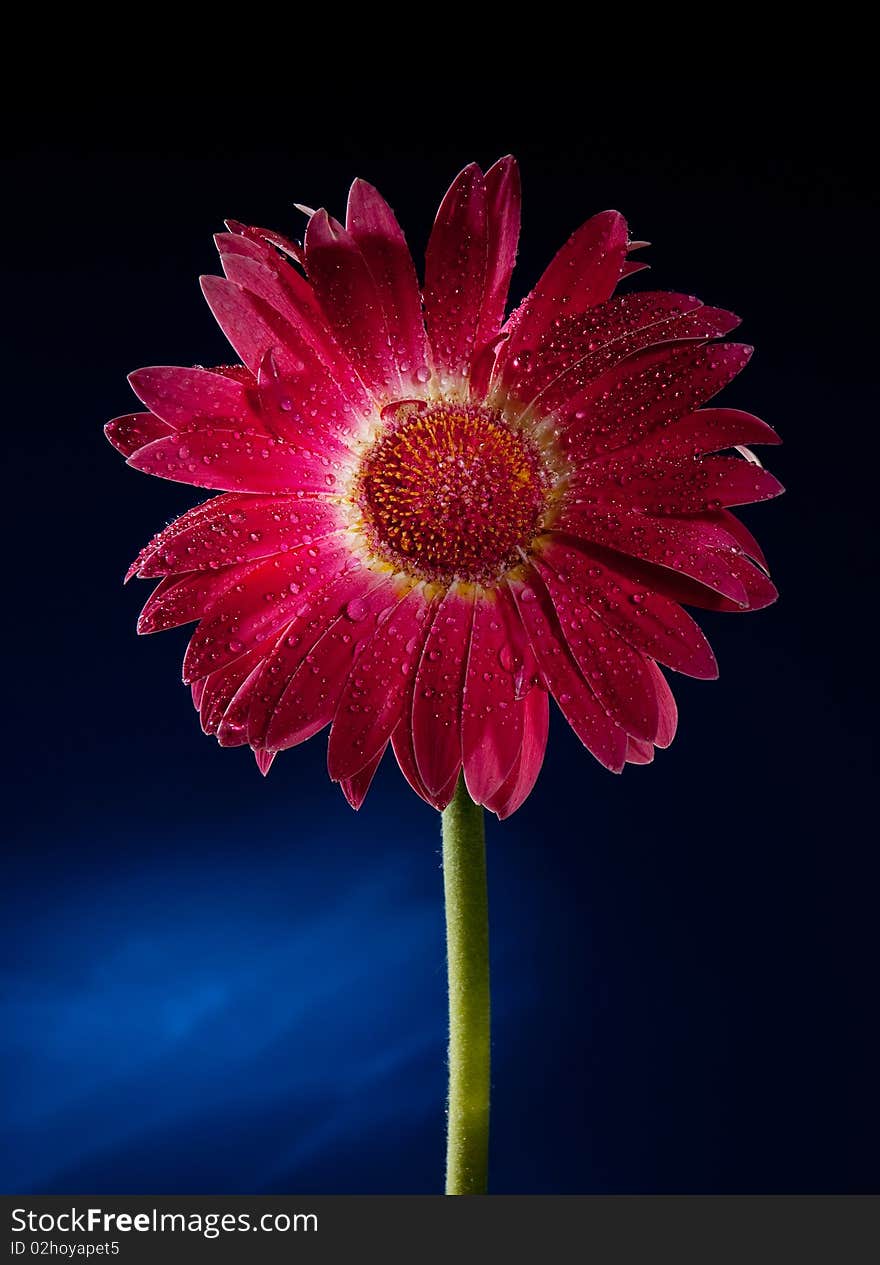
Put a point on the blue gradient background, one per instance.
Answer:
(213, 983)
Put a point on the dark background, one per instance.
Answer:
(214, 983)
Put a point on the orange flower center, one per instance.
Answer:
(451, 492)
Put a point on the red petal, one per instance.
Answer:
(639, 752)
(373, 227)
(231, 529)
(244, 460)
(323, 391)
(598, 338)
(181, 396)
(709, 430)
(135, 430)
(259, 604)
(455, 277)
(219, 689)
(741, 534)
(683, 485)
(650, 390)
(667, 710)
(355, 788)
(691, 326)
(616, 673)
(308, 409)
(519, 783)
(646, 619)
(439, 686)
(377, 688)
(402, 744)
(352, 302)
(583, 273)
(491, 730)
(691, 549)
(311, 697)
(756, 588)
(282, 292)
(229, 244)
(314, 616)
(254, 327)
(264, 760)
(583, 711)
(180, 599)
(261, 236)
(503, 199)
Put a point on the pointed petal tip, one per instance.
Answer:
(264, 759)
(507, 162)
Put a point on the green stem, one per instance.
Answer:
(467, 950)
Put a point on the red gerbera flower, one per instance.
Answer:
(429, 526)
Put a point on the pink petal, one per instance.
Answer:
(353, 304)
(402, 744)
(285, 293)
(181, 599)
(311, 698)
(264, 760)
(667, 710)
(709, 430)
(680, 588)
(519, 784)
(652, 389)
(306, 408)
(232, 529)
(646, 619)
(683, 485)
(181, 396)
(577, 701)
(263, 600)
(373, 227)
(503, 199)
(583, 273)
(254, 326)
(617, 674)
(321, 606)
(678, 546)
(455, 278)
(135, 430)
(709, 484)
(760, 590)
(164, 537)
(229, 244)
(242, 460)
(355, 788)
(439, 687)
(741, 534)
(219, 689)
(491, 729)
(262, 236)
(639, 752)
(598, 338)
(377, 688)
(565, 390)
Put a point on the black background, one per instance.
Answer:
(685, 957)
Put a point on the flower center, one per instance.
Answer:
(451, 492)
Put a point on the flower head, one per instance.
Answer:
(431, 517)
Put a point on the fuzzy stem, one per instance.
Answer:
(467, 949)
